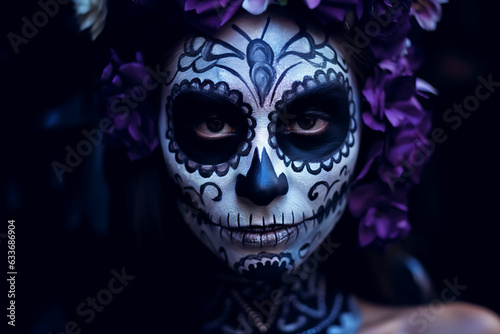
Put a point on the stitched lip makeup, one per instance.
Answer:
(262, 236)
(259, 236)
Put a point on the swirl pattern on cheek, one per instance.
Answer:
(221, 88)
(282, 116)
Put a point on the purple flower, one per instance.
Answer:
(334, 10)
(382, 225)
(384, 91)
(398, 160)
(382, 214)
(405, 154)
(427, 12)
(394, 22)
(391, 95)
(255, 7)
(127, 106)
(210, 14)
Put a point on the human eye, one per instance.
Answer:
(209, 128)
(214, 127)
(314, 124)
(308, 123)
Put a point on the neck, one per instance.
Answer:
(300, 302)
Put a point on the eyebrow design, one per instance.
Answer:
(202, 53)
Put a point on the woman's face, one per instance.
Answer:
(260, 129)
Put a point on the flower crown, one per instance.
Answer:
(396, 119)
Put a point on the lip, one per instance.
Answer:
(257, 236)
(271, 236)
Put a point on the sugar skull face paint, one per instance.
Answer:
(259, 128)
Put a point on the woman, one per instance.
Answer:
(271, 126)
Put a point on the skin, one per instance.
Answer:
(276, 89)
(453, 318)
(214, 194)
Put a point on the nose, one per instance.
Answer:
(261, 185)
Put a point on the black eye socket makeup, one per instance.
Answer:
(314, 123)
(208, 127)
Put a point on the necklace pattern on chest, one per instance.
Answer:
(307, 307)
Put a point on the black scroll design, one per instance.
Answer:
(199, 54)
(313, 194)
(202, 53)
(317, 54)
(200, 193)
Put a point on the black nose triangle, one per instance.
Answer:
(261, 185)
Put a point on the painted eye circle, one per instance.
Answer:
(209, 128)
(313, 124)
(214, 127)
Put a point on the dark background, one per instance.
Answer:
(69, 237)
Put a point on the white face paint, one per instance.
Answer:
(259, 128)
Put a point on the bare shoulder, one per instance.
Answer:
(433, 318)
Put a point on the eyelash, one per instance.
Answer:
(217, 136)
(318, 115)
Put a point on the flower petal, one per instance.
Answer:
(255, 7)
